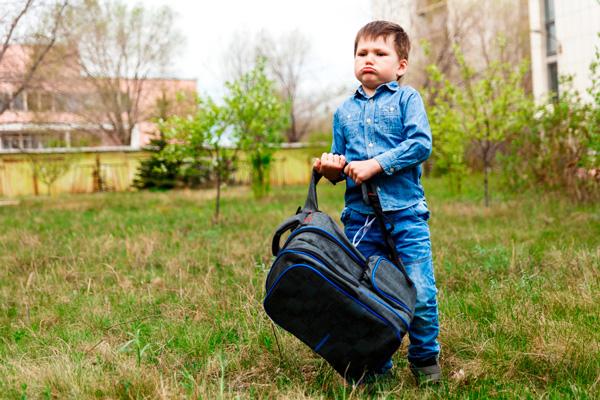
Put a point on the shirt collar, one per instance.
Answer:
(392, 86)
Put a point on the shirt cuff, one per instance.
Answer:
(386, 162)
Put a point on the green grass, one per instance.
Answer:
(139, 295)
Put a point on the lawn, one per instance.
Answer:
(139, 295)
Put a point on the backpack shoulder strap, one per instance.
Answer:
(370, 197)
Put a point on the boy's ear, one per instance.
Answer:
(402, 68)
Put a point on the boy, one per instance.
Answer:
(383, 133)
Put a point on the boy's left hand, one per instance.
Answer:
(361, 171)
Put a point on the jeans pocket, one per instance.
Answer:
(345, 215)
(420, 210)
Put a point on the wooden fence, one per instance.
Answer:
(25, 174)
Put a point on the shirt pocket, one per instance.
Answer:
(351, 123)
(390, 121)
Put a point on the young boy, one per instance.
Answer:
(383, 133)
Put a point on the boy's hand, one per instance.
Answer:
(361, 171)
(330, 166)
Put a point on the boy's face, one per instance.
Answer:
(377, 62)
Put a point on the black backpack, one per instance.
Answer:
(350, 310)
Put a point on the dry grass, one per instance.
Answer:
(139, 295)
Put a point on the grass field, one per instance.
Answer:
(138, 295)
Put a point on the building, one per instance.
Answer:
(564, 38)
(559, 37)
(436, 26)
(61, 108)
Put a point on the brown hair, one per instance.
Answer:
(376, 29)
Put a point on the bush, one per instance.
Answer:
(165, 172)
(559, 148)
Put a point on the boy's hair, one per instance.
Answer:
(376, 29)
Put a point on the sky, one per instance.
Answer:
(208, 28)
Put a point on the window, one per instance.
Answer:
(4, 100)
(553, 80)
(33, 101)
(551, 42)
(18, 103)
(60, 102)
(45, 101)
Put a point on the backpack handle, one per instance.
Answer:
(312, 203)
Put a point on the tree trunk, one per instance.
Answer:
(486, 168)
(36, 190)
(98, 184)
(218, 194)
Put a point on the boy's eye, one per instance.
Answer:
(380, 54)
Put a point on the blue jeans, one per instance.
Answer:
(411, 236)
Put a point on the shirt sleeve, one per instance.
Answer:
(416, 148)
(338, 143)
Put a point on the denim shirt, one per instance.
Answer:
(392, 127)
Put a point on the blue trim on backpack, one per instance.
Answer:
(283, 252)
(322, 342)
(305, 253)
(366, 307)
(384, 294)
(350, 252)
(391, 310)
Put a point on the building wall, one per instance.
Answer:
(474, 25)
(51, 108)
(577, 24)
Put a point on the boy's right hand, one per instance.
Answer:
(330, 166)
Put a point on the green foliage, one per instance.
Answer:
(48, 170)
(158, 171)
(136, 345)
(450, 139)
(560, 147)
(258, 117)
(200, 138)
(483, 110)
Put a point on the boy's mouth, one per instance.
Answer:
(368, 70)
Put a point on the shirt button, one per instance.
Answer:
(368, 120)
(371, 101)
(392, 169)
(378, 189)
(370, 144)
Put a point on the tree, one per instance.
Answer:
(48, 169)
(560, 147)
(286, 58)
(484, 109)
(120, 48)
(450, 139)
(258, 117)
(473, 25)
(39, 37)
(201, 137)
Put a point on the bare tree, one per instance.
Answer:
(242, 53)
(287, 57)
(35, 24)
(120, 48)
(473, 25)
